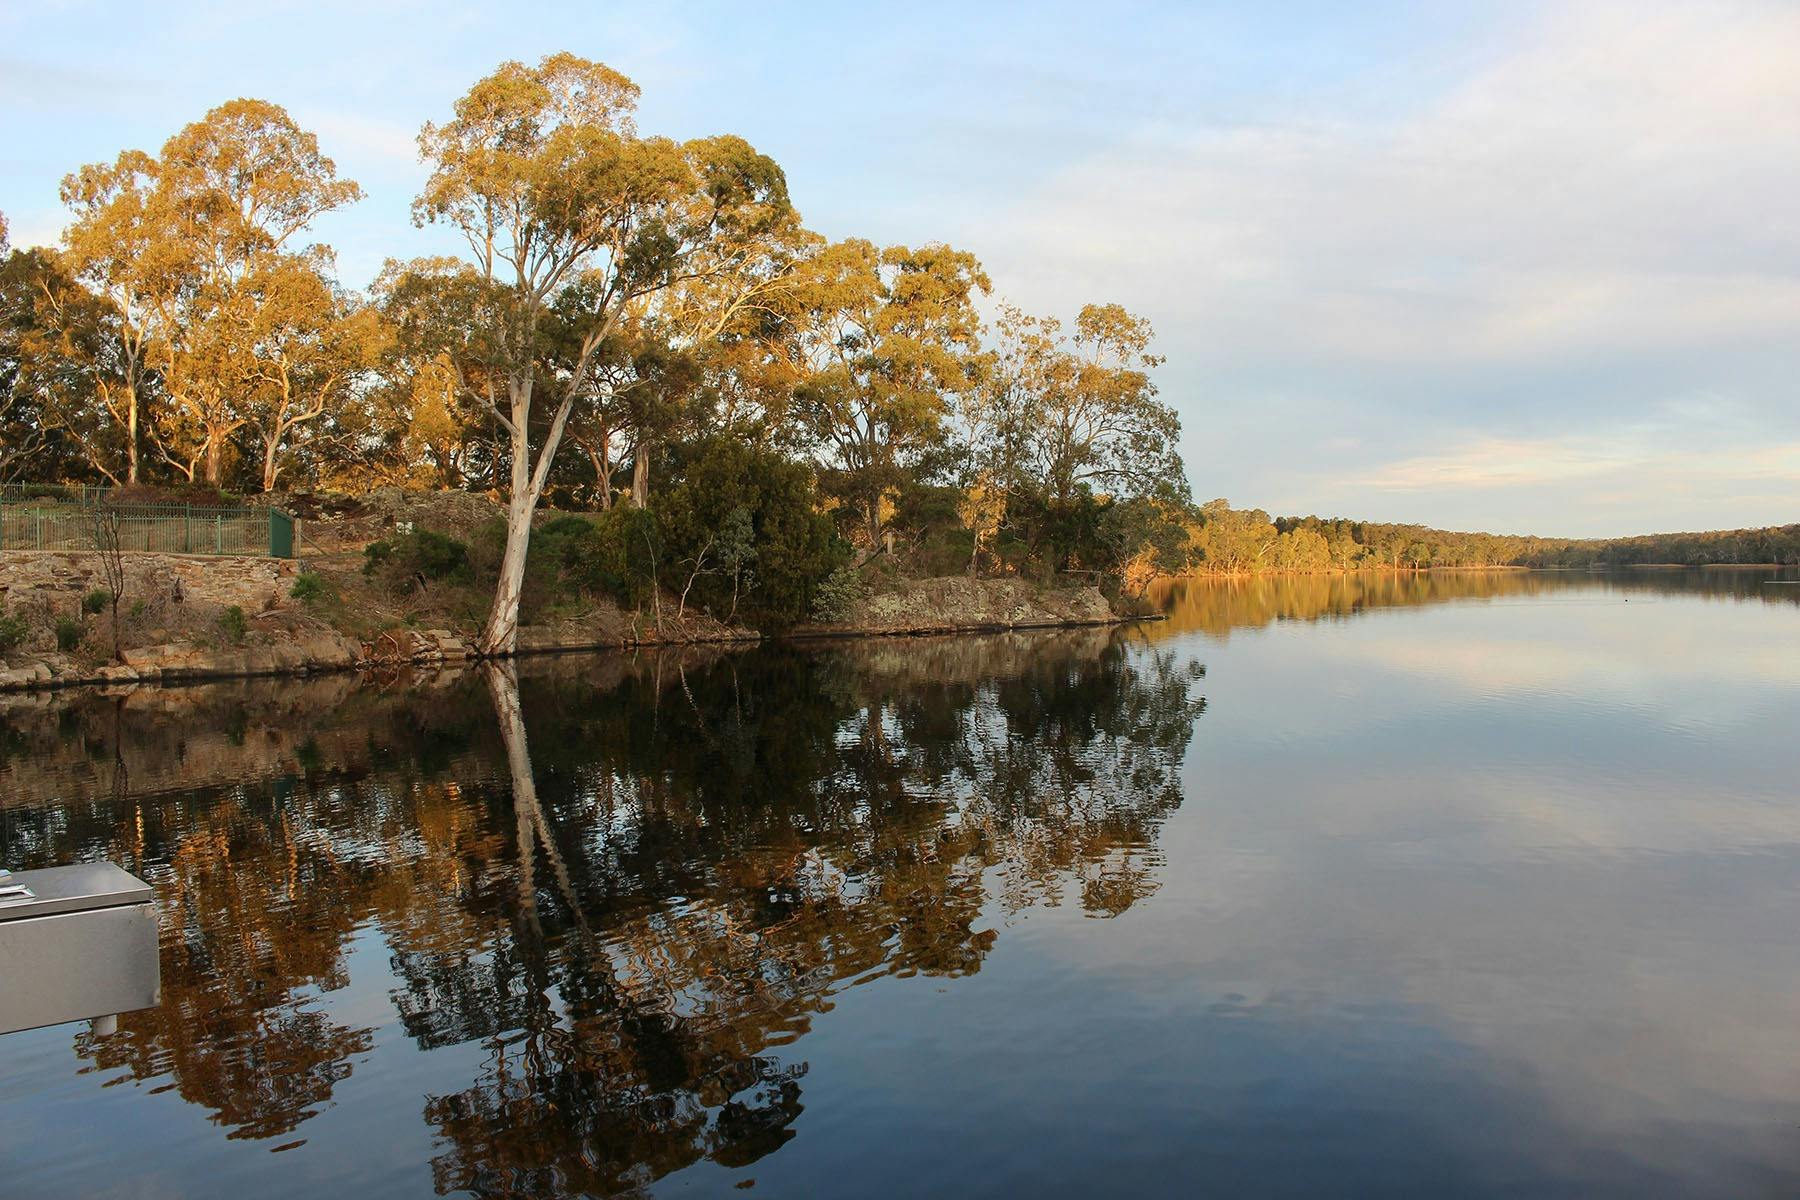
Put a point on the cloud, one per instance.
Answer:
(1500, 463)
(1623, 178)
(1513, 259)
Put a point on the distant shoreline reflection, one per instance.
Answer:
(1218, 605)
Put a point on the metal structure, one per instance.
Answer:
(76, 943)
(43, 518)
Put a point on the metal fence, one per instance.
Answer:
(68, 521)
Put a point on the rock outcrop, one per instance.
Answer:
(958, 603)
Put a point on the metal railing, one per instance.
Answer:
(36, 518)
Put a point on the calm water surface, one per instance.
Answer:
(1446, 885)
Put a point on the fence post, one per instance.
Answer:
(218, 535)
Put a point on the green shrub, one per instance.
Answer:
(68, 633)
(613, 553)
(837, 595)
(310, 588)
(137, 609)
(95, 602)
(12, 632)
(938, 542)
(748, 520)
(413, 560)
(234, 623)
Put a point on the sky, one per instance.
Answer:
(1511, 266)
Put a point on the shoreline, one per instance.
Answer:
(334, 655)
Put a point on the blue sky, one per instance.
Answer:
(1505, 266)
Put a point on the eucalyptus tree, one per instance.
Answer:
(174, 246)
(309, 346)
(439, 358)
(57, 372)
(1070, 411)
(888, 338)
(119, 246)
(543, 172)
(235, 191)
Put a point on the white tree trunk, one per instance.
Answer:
(640, 477)
(501, 635)
(271, 451)
(131, 432)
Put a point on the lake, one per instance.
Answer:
(1477, 884)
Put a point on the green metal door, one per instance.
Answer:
(281, 534)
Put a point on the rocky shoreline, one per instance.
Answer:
(914, 608)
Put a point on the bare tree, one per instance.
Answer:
(106, 525)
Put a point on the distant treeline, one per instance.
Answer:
(1226, 540)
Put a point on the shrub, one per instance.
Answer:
(416, 558)
(12, 632)
(837, 595)
(95, 602)
(310, 588)
(929, 519)
(197, 495)
(234, 623)
(68, 633)
(574, 552)
(743, 522)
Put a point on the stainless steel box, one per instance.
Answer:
(82, 944)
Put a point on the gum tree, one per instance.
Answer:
(542, 171)
(886, 338)
(235, 192)
(118, 246)
(308, 343)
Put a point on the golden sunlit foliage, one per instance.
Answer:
(632, 295)
(638, 298)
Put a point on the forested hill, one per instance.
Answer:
(1774, 544)
(1228, 540)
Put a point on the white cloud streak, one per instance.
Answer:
(1616, 186)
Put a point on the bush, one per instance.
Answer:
(197, 495)
(574, 553)
(929, 519)
(234, 623)
(95, 602)
(747, 520)
(417, 558)
(12, 632)
(68, 633)
(614, 553)
(837, 595)
(310, 588)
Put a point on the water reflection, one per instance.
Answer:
(626, 886)
(1484, 889)
(1219, 605)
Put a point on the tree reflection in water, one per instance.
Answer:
(1218, 604)
(632, 883)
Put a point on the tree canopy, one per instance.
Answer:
(634, 321)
